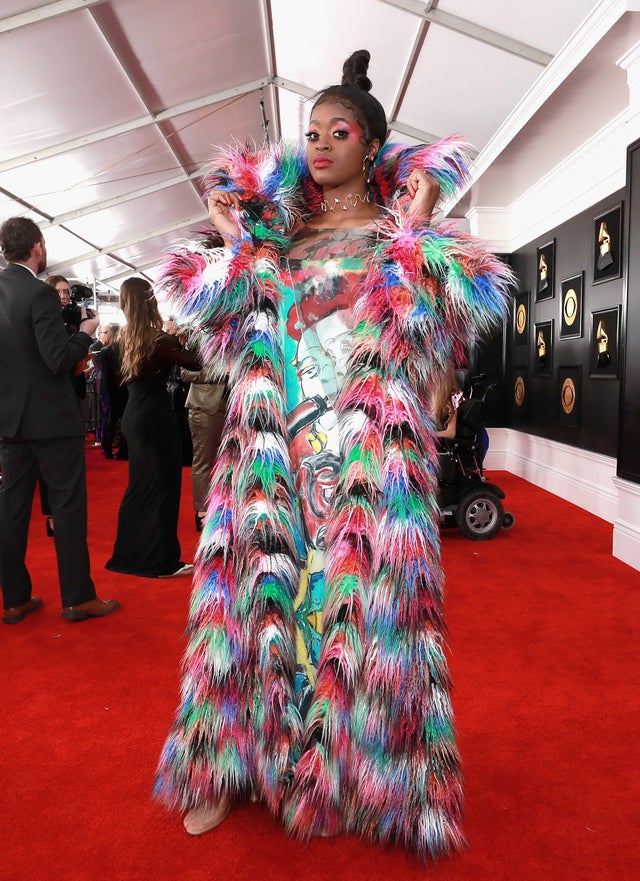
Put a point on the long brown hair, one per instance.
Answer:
(144, 325)
(444, 388)
(53, 280)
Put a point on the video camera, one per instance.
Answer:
(80, 295)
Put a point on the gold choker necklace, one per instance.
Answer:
(352, 199)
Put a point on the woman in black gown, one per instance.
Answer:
(147, 539)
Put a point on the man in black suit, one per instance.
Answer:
(41, 431)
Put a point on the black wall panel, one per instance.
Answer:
(597, 424)
(629, 439)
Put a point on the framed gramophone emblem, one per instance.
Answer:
(521, 319)
(607, 245)
(569, 395)
(603, 345)
(543, 348)
(545, 270)
(519, 393)
(571, 297)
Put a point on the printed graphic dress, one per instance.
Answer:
(322, 275)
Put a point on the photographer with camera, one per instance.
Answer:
(73, 315)
(41, 431)
(74, 312)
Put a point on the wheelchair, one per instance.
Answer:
(465, 498)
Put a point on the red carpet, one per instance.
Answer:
(544, 654)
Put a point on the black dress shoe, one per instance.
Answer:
(12, 616)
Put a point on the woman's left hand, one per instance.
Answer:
(423, 192)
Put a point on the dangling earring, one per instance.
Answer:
(367, 170)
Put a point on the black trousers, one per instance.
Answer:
(60, 463)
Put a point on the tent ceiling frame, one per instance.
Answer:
(141, 269)
(42, 13)
(423, 9)
(307, 93)
(474, 31)
(104, 32)
(117, 246)
(134, 124)
(278, 82)
(408, 69)
(270, 51)
(50, 221)
(417, 133)
(94, 207)
(414, 7)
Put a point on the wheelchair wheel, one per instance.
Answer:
(479, 515)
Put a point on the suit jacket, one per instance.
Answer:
(37, 400)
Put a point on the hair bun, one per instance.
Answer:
(354, 70)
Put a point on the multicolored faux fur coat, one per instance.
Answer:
(376, 753)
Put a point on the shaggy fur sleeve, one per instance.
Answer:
(269, 184)
(210, 286)
(447, 162)
(431, 292)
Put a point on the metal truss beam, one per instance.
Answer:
(474, 31)
(42, 13)
(134, 124)
(117, 246)
(94, 207)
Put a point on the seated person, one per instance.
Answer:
(445, 400)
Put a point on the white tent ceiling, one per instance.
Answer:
(109, 108)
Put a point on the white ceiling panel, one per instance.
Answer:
(94, 173)
(102, 266)
(8, 207)
(63, 248)
(123, 222)
(181, 50)
(237, 119)
(479, 86)
(70, 84)
(536, 24)
(314, 55)
(294, 115)
(145, 254)
(13, 7)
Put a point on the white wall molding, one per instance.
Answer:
(589, 174)
(630, 62)
(599, 22)
(581, 477)
(586, 176)
(493, 225)
(626, 528)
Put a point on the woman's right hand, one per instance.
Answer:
(223, 208)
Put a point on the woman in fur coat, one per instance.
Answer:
(315, 677)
